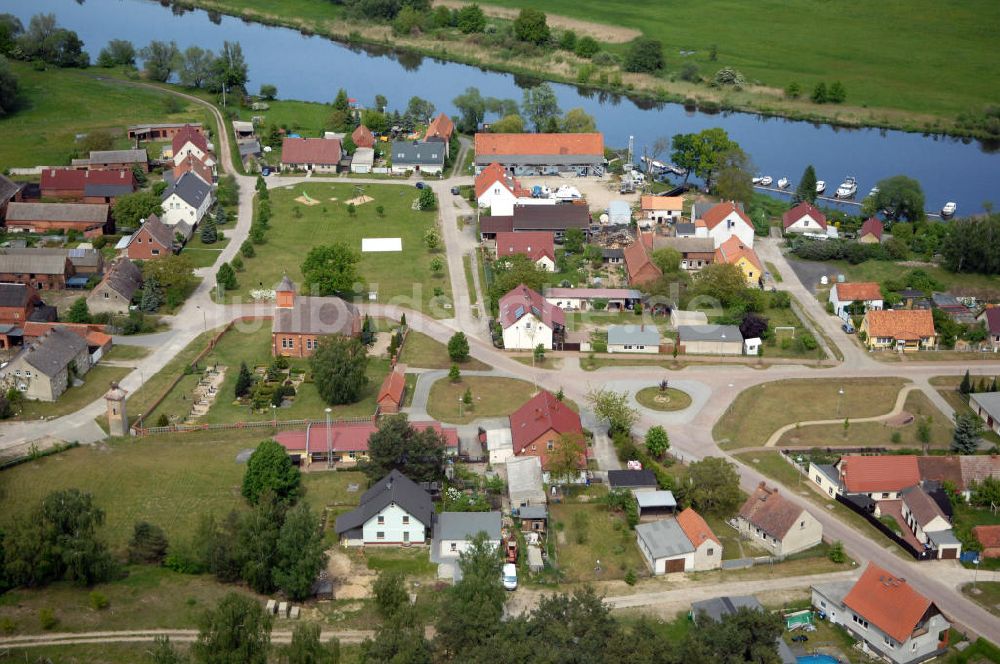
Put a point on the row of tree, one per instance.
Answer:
(539, 108)
(43, 40)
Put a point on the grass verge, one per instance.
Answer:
(655, 399)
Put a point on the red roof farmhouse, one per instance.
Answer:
(542, 154)
(311, 154)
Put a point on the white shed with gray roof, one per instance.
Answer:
(524, 481)
(710, 339)
(633, 339)
(987, 406)
(665, 546)
(455, 530)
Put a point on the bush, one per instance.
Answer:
(99, 601)
(587, 47)
(630, 577)
(644, 55)
(47, 619)
(836, 553)
(247, 249)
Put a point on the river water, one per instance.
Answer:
(313, 68)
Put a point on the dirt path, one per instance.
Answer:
(606, 33)
(140, 636)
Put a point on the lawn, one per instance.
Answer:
(421, 351)
(58, 104)
(254, 348)
(774, 272)
(761, 410)
(982, 284)
(124, 353)
(654, 398)
(947, 387)
(491, 397)
(550, 363)
(877, 434)
(403, 278)
(140, 400)
(586, 533)
(95, 384)
(986, 594)
(733, 546)
(201, 254)
(469, 281)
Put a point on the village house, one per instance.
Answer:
(118, 159)
(554, 219)
(87, 186)
(528, 320)
(362, 137)
(46, 368)
(390, 394)
(191, 142)
(42, 271)
(871, 231)
(639, 263)
(710, 339)
(683, 544)
(90, 219)
(454, 531)
(154, 239)
(17, 302)
(440, 130)
(498, 190)
(191, 164)
(927, 521)
(321, 155)
(301, 320)
(394, 511)
(900, 330)
(884, 613)
(660, 209)
(857, 297)
(346, 442)
(117, 289)
(538, 246)
(990, 318)
(772, 521)
(696, 252)
(804, 218)
(84, 260)
(542, 154)
(724, 220)
(418, 157)
(536, 428)
(185, 203)
(160, 132)
(633, 339)
(587, 299)
(987, 406)
(734, 252)
(989, 538)
(95, 334)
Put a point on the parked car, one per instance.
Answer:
(848, 328)
(420, 185)
(509, 576)
(455, 191)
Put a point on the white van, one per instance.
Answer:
(510, 576)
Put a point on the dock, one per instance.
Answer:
(829, 199)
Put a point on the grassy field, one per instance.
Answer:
(588, 533)
(95, 384)
(420, 351)
(983, 285)
(140, 401)
(491, 397)
(774, 272)
(201, 254)
(58, 104)
(469, 281)
(402, 278)
(986, 594)
(877, 434)
(761, 410)
(254, 348)
(652, 397)
(947, 387)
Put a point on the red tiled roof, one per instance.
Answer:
(440, 127)
(695, 528)
(363, 137)
(802, 209)
(522, 300)
(192, 164)
(669, 203)
(733, 249)
(941, 469)
(901, 323)
(717, 213)
(348, 436)
(310, 150)
(872, 226)
(638, 264)
(496, 173)
(863, 291)
(988, 536)
(541, 413)
(533, 244)
(392, 386)
(874, 474)
(496, 224)
(71, 178)
(992, 316)
(539, 144)
(887, 602)
(770, 511)
(189, 134)
(94, 333)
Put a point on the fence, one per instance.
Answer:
(884, 529)
(260, 424)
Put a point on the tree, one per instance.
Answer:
(339, 365)
(78, 311)
(657, 441)
(160, 59)
(256, 549)
(734, 179)
(965, 439)
(195, 66)
(10, 29)
(306, 647)
(538, 354)
(458, 347)
(985, 493)
(700, 153)
(567, 40)
(471, 108)
(454, 374)
(745, 636)
(427, 200)
(397, 445)
(118, 52)
(722, 282)
(965, 387)
(531, 26)
(898, 197)
(300, 552)
(247, 249)
(569, 451)
(587, 47)
(753, 325)
(268, 91)
(473, 608)
(714, 486)
(432, 240)
(226, 277)
(470, 19)
(924, 431)
(330, 269)
(368, 332)
(613, 408)
(244, 381)
(148, 544)
(389, 591)
(437, 265)
(667, 259)
(508, 124)
(819, 94)
(578, 121)
(9, 88)
(806, 191)
(229, 70)
(130, 209)
(238, 631)
(420, 110)
(837, 93)
(968, 245)
(644, 55)
(270, 469)
(151, 297)
(793, 90)
(375, 120)
(164, 653)
(540, 104)
(209, 231)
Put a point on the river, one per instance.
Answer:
(313, 68)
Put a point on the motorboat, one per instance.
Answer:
(949, 209)
(783, 183)
(847, 188)
(820, 186)
(766, 181)
(756, 180)
(874, 191)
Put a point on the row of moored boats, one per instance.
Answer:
(847, 190)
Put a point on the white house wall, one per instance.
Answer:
(393, 528)
(527, 333)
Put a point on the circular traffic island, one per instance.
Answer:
(670, 399)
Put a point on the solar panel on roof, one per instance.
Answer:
(519, 312)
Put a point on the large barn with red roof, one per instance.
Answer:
(542, 154)
(348, 441)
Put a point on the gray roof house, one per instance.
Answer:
(395, 510)
(633, 339)
(987, 406)
(454, 528)
(190, 188)
(42, 370)
(524, 481)
(98, 157)
(632, 479)
(710, 339)
(719, 607)
(418, 156)
(665, 546)
(115, 291)
(185, 203)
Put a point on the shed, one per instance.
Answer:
(665, 546)
(524, 481)
(710, 339)
(533, 518)
(641, 480)
(363, 160)
(500, 445)
(619, 213)
(535, 562)
(655, 503)
(455, 530)
(751, 346)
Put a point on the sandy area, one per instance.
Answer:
(306, 200)
(599, 31)
(351, 581)
(598, 191)
(359, 200)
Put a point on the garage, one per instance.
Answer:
(948, 553)
(665, 547)
(675, 565)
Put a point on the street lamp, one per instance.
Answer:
(204, 316)
(975, 575)
(840, 399)
(274, 415)
(329, 439)
(460, 409)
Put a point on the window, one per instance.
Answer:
(859, 620)
(885, 494)
(711, 552)
(156, 252)
(888, 641)
(106, 295)
(802, 524)
(381, 520)
(380, 535)
(27, 372)
(550, 446)
(454, 546)
(822, 604)
(406, 520)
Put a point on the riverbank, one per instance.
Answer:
(328, 20)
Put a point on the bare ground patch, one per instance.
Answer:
(605, 33)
